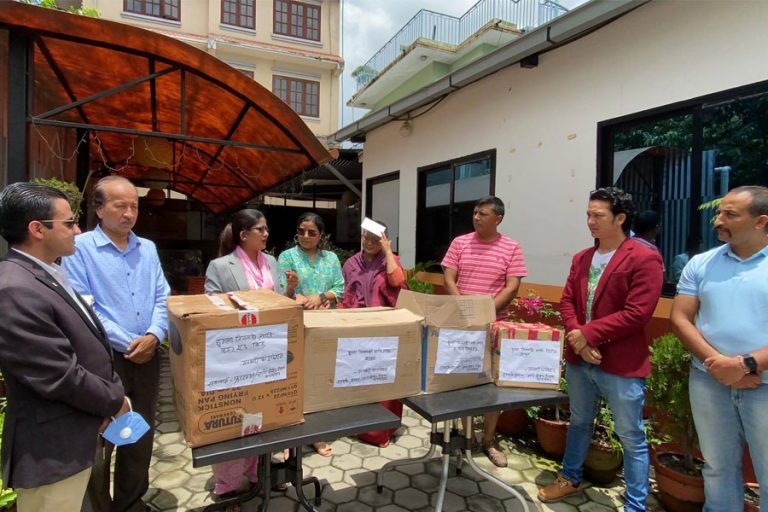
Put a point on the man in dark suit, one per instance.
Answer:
(609, 297)
(53, 354)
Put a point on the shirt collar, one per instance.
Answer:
(763, 253)
(101, 239)
(56, 271)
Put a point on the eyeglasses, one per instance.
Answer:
(261, 229)
(67, 222)
(307, 232)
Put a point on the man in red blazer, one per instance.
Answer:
(610, 295)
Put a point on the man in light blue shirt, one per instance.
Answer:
(122, 274)
(721, 316)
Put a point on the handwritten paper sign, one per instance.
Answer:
(460, 351)
(529, 361)
(245, 356)
(365, 361)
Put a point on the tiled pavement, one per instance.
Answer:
(349, 476)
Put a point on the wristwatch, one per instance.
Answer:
(750, 362)
(323, 298)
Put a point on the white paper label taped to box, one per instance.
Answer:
(529, 361)
(460, 351)
(365, 361)
(245, 356)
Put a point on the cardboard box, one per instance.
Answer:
(236, 361)
(360, 356)
(456, 348)
(527, 355)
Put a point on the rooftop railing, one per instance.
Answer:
(526, 14)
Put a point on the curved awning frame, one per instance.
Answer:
(33, 29)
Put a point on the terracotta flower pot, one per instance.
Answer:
(551, 435)
(513, 423)
(678, 492)
(602, 463)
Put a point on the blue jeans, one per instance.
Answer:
(625, 396)
(724, 418)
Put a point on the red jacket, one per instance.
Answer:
(624, 302)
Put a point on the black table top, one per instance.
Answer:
(317, 426)
(479, 400)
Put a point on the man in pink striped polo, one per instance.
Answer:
(486, 262)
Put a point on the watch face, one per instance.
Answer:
(751, 363)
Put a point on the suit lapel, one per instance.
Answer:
(238, 273)
(621, 253)
(44, 277)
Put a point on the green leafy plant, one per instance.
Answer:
(363, 70)
(420, 286)
(74, 196)
(667, 394)
(7, 496)
(91, 12)
(605, 428)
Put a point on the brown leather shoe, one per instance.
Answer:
(493, 451)
(558, 490)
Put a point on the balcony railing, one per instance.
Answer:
(526, 14)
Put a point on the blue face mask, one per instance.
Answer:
(126, 429)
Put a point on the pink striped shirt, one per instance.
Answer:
(483, 267)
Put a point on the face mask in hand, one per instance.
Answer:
(126, 429)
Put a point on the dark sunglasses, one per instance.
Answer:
(67, 222)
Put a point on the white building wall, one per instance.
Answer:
(543, 121)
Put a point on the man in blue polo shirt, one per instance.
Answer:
(721, 316)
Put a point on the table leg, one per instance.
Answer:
(299, 481)
(446, 464)
(404, 462)
(488, 476)
(265, 479)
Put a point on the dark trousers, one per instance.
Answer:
(131, 479)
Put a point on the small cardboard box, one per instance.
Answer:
(527, 355)
(456, 348)
(360, 356)
(236, 361)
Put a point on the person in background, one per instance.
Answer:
(608, 299)
(693, 246)
(720, 314)
(647, 228)
(374, 277)
(486, 262)
(321, 284)
(54, 355)
(243, 265)
(122, 273)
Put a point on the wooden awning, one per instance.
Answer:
(148, 101)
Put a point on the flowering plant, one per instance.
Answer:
(531, 308)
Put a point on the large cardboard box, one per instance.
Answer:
(456, 348)
(360, 356)
(236, 361)
(527, 355)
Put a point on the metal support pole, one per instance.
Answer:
(19, 78)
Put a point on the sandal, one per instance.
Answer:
(322, 448)
(493, 451)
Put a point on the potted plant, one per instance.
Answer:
(678, 470)
(551, 425)
(605, 455)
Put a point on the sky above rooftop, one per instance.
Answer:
(368, 24)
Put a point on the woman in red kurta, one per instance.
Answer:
(374, 277)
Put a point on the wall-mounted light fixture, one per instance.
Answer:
(530, 62)
(406, 129)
